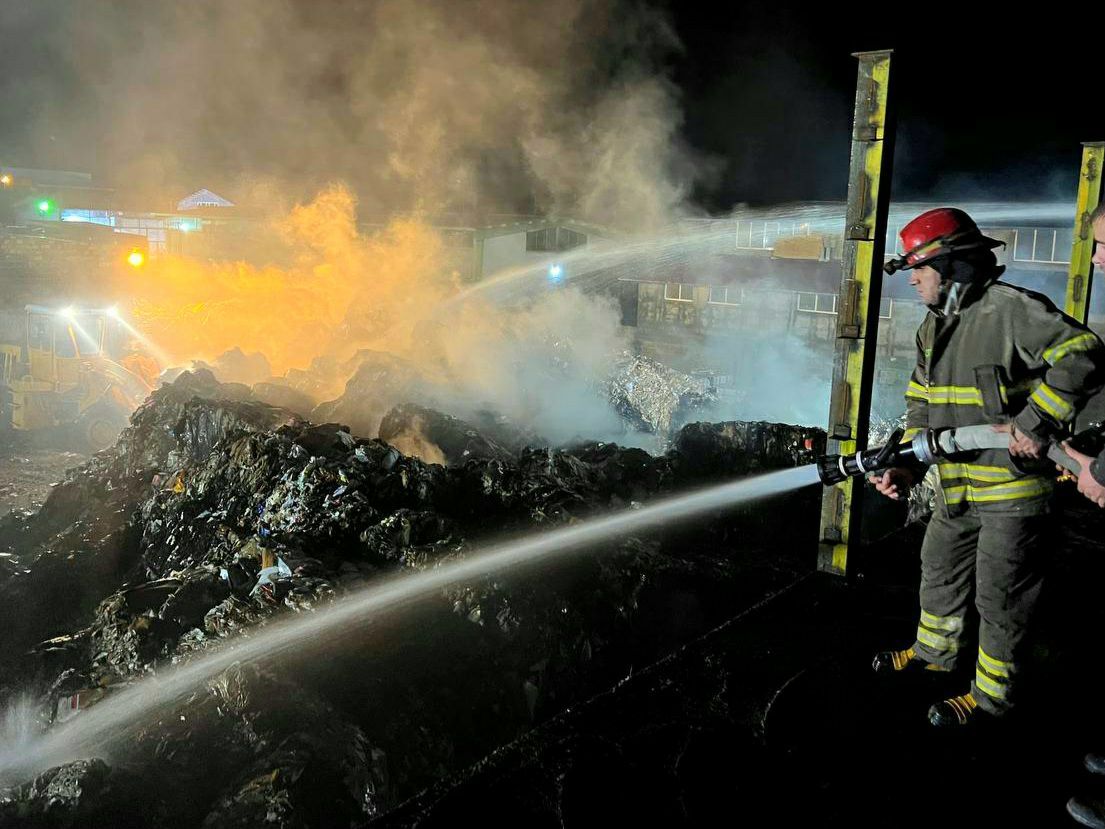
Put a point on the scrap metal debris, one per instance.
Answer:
(654, 398)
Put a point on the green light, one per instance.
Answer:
(45, 206)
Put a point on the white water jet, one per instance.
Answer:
(103, 730)
(591, 265)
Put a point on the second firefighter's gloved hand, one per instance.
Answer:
(1020, 444)
(893, 483)
(1087, 484)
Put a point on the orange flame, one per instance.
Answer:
(345, 290)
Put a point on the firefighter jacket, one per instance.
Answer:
(1003, 354)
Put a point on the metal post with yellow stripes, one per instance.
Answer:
(858, 303)
(1080, 276)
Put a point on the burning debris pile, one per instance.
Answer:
(379, 382)
(440, 438)
(638, 400)
(217, 514)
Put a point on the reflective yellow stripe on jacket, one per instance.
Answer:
(1045, 397)
(976, 472)
(1083, 342)
(916, 391)
(1013, 491)
(950, 395)
(954, 396)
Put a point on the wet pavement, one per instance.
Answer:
(775, 718)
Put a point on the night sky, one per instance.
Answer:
(992, 104)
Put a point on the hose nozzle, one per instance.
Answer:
(930, 445)
(836, 468)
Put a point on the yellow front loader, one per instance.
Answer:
(55, 377)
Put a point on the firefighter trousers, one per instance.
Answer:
(996, 557)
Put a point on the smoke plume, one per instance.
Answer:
(470, 107)
(428, 113)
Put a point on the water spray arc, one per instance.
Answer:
(104, 729)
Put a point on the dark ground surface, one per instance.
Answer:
(774, 719)
(27, 473)
(119, 572)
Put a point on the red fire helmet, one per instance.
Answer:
(937, 233)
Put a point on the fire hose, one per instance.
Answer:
(932, 445)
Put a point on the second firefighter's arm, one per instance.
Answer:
(1074, 358)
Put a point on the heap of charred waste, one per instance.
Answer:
(217, 513)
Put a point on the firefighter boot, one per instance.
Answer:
(1087, 811)
(887, 663)
(955, 711)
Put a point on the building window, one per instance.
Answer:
(457, 238)
(726, 295)
(679, 291)
(96, 217)
(816, 303)
(553, 239)
(826, 304)
(39, 333)
(568, 239)
(1042, 245)
(541, 241)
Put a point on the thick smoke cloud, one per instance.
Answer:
(427, 112)
(463, 106)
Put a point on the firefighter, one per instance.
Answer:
(1091, 483)
(1091, 480)
(987, 352)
